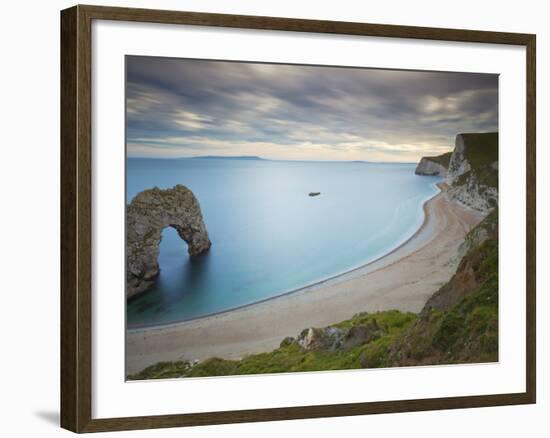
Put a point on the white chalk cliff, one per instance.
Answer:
(429, 167)
(472, 175)
(470, 171)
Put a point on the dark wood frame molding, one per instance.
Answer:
(76, 222)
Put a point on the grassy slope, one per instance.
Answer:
(481, 151)
(465, 332)
(464, 329)
(290, 357)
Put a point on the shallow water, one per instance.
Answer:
(268, 236)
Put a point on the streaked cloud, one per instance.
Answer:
(178, 108)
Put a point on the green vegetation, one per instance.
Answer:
(481, 149)
(464, 332)
(459, 324)
(487, 228)
(291, 357)
(391, 321)
(163, 370)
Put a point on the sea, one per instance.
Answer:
(269, 237)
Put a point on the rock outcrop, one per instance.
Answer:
(471, 170)
(146, 216)
(334, 338)
(472, 175)
(433, 166)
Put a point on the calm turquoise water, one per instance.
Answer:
(268, 236)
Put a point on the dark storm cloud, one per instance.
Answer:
(189, 107)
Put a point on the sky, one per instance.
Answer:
(183, 108)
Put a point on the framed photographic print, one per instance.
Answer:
(269, 218)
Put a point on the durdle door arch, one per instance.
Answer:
(147, 215)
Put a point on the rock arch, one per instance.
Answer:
(146, 216)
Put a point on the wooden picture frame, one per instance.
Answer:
(76, 217)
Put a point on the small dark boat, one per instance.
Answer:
(314, 193)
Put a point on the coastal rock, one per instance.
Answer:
(471, 170)
(315, 338)
(433, 166)
(359, 335)
(474, 195)
(333, 338)
(458, 164)
(146, 216)
(472, 175)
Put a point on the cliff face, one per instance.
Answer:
(469, 274)
(147, 215)
(433, 166)
(459, 323)
(472, 175)
(471, 170)
(487, 229)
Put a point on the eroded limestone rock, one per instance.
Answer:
(428, 166)
(473, 171)
(335, 338)
(146, 216)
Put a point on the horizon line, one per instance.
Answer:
(256, 157)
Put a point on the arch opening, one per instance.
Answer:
(173, 250)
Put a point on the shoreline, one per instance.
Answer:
(402, 279)
(442, 186)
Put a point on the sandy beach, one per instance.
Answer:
(403, 279)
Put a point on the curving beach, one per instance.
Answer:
(404, 279)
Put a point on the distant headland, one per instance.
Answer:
(231, 157)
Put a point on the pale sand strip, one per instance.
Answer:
(403, 279)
